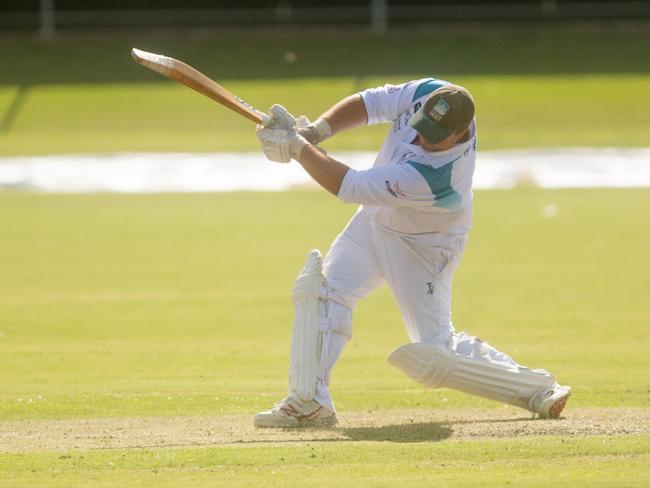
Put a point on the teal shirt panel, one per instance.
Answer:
(439, 180)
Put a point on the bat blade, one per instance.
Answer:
(179, 71)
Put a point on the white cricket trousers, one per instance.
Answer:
(419, 274)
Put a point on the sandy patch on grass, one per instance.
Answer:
(391, 426)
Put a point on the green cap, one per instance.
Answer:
(447, 110)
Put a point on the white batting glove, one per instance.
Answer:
(280, 118)
(280, 145)
(316, 132)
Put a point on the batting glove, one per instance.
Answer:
(280, 145)
(280, 118)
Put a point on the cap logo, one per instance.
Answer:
(439, 110)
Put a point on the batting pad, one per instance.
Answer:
(437, 366)
(303, 368)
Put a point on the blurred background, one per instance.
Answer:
(545, 74)
(50, 15)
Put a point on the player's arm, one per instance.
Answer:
(346, 114)
(395, 185)
(327, 172)
(281, 143)
(389, 186)
(382, 104)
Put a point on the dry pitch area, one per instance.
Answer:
(390, 426)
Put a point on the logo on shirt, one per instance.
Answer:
(390, 189)
(430, 288)
(394, 189)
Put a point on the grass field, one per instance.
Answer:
(514, 112)
(599, 461)
(140, 333)
(538, 88)
(123, 307)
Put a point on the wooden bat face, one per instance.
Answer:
(178, 71)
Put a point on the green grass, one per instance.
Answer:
(513, 112)
(122, 306)
(560, 461)
(179, 304)
(541, 88)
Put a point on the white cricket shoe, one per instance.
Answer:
(548, 404)
(293, 412)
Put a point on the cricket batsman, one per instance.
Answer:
(409, 231)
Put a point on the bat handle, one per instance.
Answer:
(266, 120)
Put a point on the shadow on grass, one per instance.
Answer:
(9, 116)
(416, 432)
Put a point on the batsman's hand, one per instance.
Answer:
(280, 145)
(280, 118)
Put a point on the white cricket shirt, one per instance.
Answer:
(409, 190)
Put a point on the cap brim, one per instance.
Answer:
(426, 126)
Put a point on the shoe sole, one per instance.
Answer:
(558, 405)
(555, 411)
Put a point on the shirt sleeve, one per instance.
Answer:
(392, 186)
(386, 103)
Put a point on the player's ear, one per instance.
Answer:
(462, 133)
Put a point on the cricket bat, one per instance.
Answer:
(179, 71)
